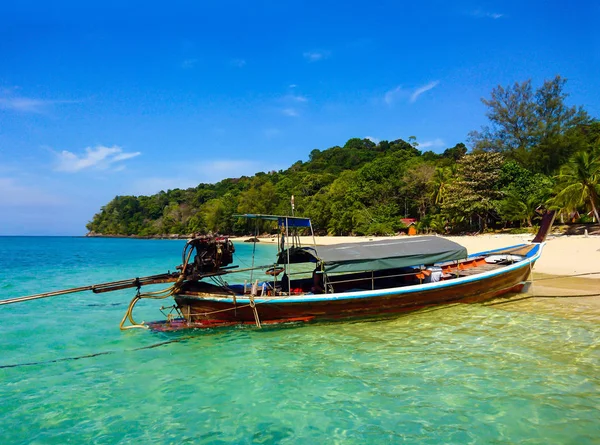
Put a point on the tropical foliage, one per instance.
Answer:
(537, 151)
(579, 182)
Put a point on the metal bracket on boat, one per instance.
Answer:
(129, 315)
(253, 304)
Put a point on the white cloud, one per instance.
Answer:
(435, 143)
(189, 63)
(124, 156)
(292, 104)
(10, 101)
(315, 56)
(297, 98)
(400, 93)
(415, 95)
(392, 95)
(486, 14)
(239, 63)
(23, 104)
(290, 112)
(372, 139)
(28, 105)
(99, 157)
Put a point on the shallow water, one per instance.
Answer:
(461, 374)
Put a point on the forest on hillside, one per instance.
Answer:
(536, 152)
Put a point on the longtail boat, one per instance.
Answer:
(351, 280)
(312, 283)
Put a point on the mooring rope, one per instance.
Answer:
(558, 277)
(155, 295)
(534, 295)
(95, 354)
(528, 297)
(531, 278)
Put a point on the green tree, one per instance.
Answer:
(531, 127)
(513, 207)
(476, 191)
(455, 153)
(440, 181)
(579, 182)
(196, 224)
(417, 186)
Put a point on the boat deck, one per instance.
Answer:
(348, 282)
(480, 269)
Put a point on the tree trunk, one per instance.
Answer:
(593, 197)
(595, 210)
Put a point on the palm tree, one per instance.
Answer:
(516, 208)
(440, 180)
(438, 223)
(579, 182)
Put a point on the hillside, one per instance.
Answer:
(383, 180)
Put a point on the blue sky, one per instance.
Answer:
(102, 99)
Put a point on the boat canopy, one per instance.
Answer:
(292, 221)
(379, 255)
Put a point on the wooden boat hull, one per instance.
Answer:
(203, 311)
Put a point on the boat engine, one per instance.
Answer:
(212, 253)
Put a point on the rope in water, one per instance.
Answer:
(557, 277)
(528, 297)
(95, 354)
(534, 295)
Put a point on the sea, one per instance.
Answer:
(482, 374)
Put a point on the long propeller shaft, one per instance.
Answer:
(100, 288)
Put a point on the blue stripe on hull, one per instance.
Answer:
(529, 260)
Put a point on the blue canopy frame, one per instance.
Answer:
(292, 221)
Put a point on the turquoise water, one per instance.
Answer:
(462, 374)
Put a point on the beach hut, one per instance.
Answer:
(411, 226)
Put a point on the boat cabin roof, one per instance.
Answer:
(378, 255)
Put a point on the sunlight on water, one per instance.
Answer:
(461, 374)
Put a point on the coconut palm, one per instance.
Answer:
(516, 208)
(579, 182)
(440, 180)
(438, 223)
